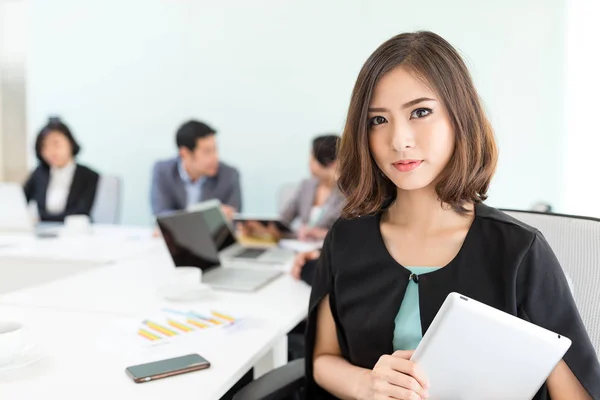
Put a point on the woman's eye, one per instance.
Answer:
(378, 120)
(420, 113)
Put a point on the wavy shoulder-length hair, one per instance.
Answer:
(467, 176)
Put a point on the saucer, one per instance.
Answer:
(184, 291)
(30, 355)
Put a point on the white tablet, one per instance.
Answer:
(474, 351)
(264, 220)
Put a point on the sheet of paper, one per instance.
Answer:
(169, 330)
(299, 246)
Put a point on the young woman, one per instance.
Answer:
(317, 202)
(59, 185)
(416, 160)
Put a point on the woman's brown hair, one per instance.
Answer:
(467, 176)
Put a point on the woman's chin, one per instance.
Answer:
(411, 184)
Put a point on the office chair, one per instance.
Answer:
(541, 206)
(107, 204)
(576, 242)
(283, 383)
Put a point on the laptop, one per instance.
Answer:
(191, 243)
(490, 353)
(14, 215)
(230, 249)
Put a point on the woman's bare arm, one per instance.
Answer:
(563, 385)
(332, 372)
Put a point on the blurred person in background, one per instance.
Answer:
(195, 175)
(317, 202)
(59, 185)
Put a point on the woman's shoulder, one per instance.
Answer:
(497, 225)
(308, 183)
(360, 229)
(40, 170)
(87, 170)
(488, 217)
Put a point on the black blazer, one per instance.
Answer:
(503, 263)
(81, 195)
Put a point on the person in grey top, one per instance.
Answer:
(317, 202)
(195, 175)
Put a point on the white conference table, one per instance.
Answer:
(78, 318)
(104, 244)
(26, 260)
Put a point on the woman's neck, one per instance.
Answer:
(327, 182)
(69, 163)
(421, 210)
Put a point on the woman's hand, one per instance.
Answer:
(302, 233)
(301, 259)
(316, 233)
(396, 377)
(308, 234)
(228, 211)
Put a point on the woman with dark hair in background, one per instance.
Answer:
(59, 185)
(317, 202)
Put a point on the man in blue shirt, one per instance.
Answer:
(195, 175)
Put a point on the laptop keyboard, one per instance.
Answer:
(251, 253)
(238, 275)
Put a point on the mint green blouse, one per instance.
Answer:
(408, 332)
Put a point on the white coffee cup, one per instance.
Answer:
(185, 285)
(12, 341)
(77, 224)
(187, 275)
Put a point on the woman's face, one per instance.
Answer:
(410, 134)
(56, 149)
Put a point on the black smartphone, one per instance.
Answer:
(165, 368)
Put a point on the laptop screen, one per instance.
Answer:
(218, 227)
(189, 240)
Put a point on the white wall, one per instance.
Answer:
(13, 44)
(271, 74)
(581, 147)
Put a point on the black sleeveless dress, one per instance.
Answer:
(503, 263)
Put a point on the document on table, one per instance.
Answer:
(300, 246)
(173, 328)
